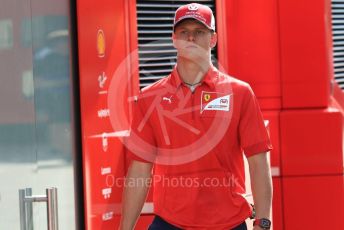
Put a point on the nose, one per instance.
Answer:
(191, 37)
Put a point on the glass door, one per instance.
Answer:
(35, 111)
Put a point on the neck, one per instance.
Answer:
(190, 71)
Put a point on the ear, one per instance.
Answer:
(213, 40)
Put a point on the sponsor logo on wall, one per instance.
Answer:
(103, 113)
(101, 43)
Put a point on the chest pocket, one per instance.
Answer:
(215, 121)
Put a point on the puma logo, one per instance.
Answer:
(167, 99)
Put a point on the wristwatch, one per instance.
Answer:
(263, 223)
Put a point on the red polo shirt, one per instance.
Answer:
(197, 140)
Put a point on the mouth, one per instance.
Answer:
(191, 47)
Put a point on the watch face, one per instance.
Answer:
(264, 223)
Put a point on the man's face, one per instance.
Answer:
(193, 40)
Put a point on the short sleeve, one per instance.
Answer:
(140, 145)
(253, 134)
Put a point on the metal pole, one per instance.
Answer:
(22, 211)
(52, 209)
(28, 208)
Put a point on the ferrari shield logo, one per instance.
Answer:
(206, 97)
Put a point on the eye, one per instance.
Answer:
(200, 32)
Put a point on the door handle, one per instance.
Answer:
(25, 207)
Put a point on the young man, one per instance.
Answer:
(194, 127)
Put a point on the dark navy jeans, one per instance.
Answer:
(160, 224)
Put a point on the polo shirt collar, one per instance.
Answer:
(209, 78)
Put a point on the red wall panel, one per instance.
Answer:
(311, 142)
(306, 52)
(277, 208)
(248, 46)
(105, 84)
(313, 202)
